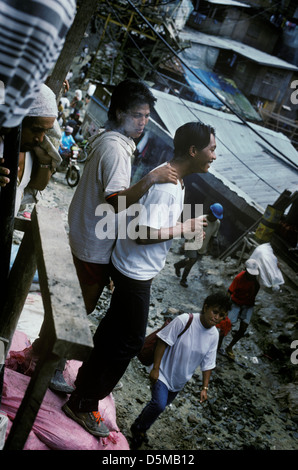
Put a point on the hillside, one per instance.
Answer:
(253, 402)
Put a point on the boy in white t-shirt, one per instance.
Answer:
(137, 258)
(177, 356)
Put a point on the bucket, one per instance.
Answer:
(268, 224)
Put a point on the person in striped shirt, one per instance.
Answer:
(32, 35)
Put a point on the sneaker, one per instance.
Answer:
(177, 270)
(58, 383)
(183, 283)
(91, 421)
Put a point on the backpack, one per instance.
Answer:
(146, 355)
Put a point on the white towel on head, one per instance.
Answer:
(50, 145)
(44, 104)
(78, 94)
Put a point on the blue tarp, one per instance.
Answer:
(203, 95)
(233, 97)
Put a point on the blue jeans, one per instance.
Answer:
(161, 397)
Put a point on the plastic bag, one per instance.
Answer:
(270, 274)
(52, 429)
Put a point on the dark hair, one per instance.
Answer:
(127, 94)
(219, 299)
(191, 133)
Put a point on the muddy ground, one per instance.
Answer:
(252, 403)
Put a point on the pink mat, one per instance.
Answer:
(52, 429)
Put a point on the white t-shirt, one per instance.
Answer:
(195, 348)
(92, 222)
(160, 207)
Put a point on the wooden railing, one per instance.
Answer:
(281, 124)
(65, 331)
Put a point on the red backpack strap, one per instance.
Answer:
(187, 324)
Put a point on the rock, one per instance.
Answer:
(193, 419)
(170, 311)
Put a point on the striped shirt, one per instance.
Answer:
(32, 34)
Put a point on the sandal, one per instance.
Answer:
(230, 354)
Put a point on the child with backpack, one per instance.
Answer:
(177, 356)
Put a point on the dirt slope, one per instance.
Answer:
(244, 410)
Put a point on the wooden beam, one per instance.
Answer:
(19, 282)
(7, 206)
(64, 308)
(65, 332)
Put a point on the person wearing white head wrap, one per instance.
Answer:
(40, 140)
(44, 104)
(67, 140)
(78, 94)
(77, 102)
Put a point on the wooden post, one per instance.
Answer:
(65, 332)
(20, 280)
(32, 400)
(7, 206)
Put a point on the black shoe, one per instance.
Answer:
(58, 383)
(91, 421)
(177, 269)
(183, 283)
(138, 437)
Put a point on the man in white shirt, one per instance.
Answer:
(139, 255)
(177, 356)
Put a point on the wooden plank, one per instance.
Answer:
(65, 331)
(31, 402)
(65, 313)
(7, 207)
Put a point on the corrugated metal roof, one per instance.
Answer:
(245, 163)
(243, 49)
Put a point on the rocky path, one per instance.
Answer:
(243, 412)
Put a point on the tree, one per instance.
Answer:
(85, 11)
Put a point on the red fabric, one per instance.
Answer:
(52, 429)
(243, 290)
(91, 273)
(224, 326)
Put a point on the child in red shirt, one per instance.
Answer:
(243, 291)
